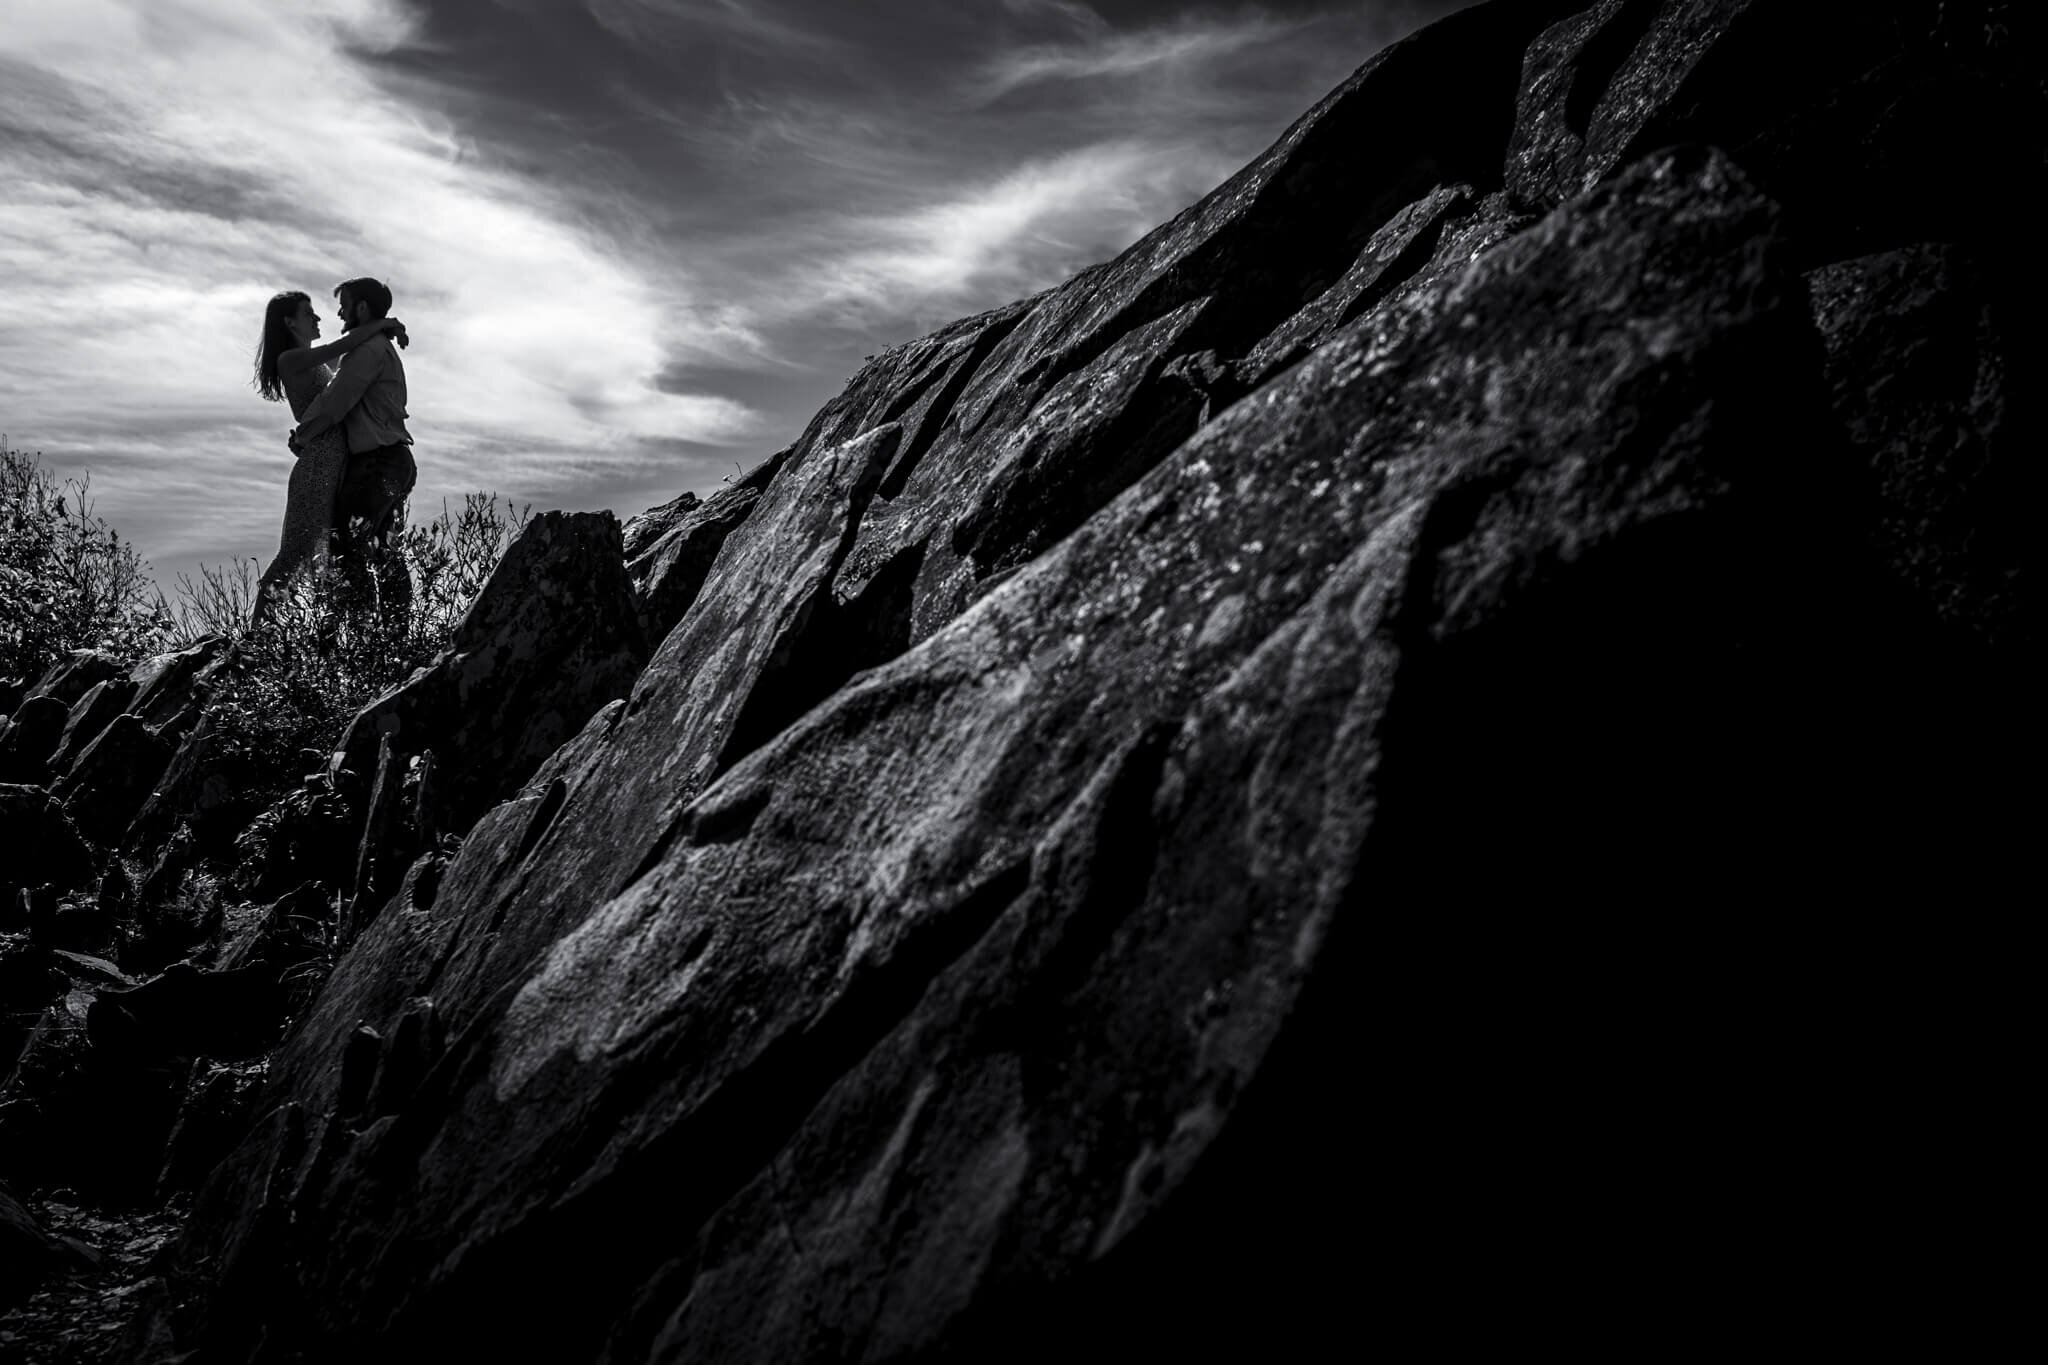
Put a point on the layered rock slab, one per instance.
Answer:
(932, 1004)
(670, 549)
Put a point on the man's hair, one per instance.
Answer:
(366, 290)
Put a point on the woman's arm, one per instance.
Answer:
(299, 357)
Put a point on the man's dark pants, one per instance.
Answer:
(374, 485)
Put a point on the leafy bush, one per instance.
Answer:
(336, 641)
(67, 580)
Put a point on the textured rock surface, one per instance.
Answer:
(640, 532)
(170, 687)
(669, 549)
(69, 679)
(1395, 758)
(88, 717)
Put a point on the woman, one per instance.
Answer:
(291, 367)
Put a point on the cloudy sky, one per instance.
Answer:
(637, 242)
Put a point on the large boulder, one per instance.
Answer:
(553, 636)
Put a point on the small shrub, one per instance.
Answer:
(67, 579)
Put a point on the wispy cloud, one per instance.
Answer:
(1020, 231)
(1175, 50)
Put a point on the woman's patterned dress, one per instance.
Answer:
(309, 497)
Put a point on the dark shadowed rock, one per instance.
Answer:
(206, 789)
(89, 716)
(1916, 120)
(1925, 383)
(669, 550)
(308, 835)
(179, 909)
(43, 846)
(28, 739)
(1396, 253)
(29, 1252)
(554, 635)
(30, 976)
(72, 1116)
(113, 778)
(216, 1111)
(73, 676)
(187, 1011)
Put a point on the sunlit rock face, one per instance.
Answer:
(1356, 769)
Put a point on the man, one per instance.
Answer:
(367, 399)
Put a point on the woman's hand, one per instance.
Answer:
(396, 328)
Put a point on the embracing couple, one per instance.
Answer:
(355, 463)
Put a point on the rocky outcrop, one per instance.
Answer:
(171, 688)
(669, 549)
(87, 718)
(71, 678)
(554, 635)
(1442, 723)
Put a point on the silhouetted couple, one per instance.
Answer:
(355, 462)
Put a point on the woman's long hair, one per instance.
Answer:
(277, 339)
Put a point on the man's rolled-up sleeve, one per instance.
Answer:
(359, 369)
